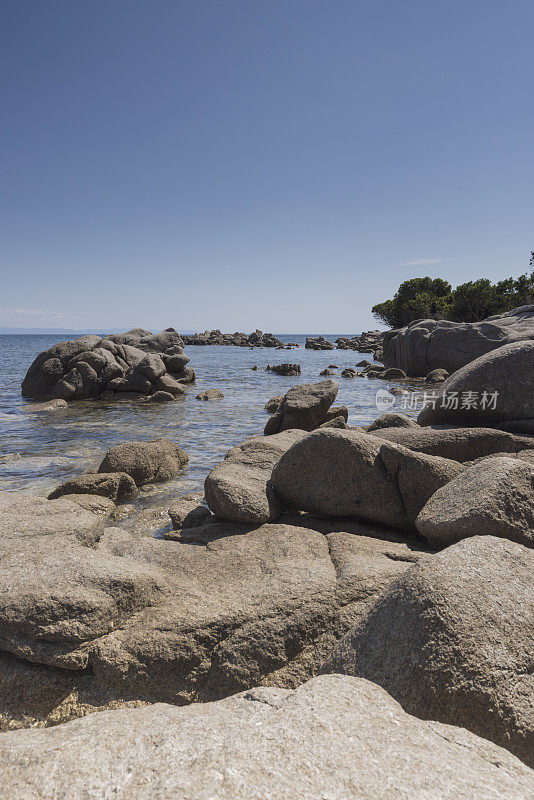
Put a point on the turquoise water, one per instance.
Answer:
(40, 450)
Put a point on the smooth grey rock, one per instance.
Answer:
(133, 618)
(117, 486)
(428, 344)
(166, 383)
(305, 407)
(146, 462)
(459, 444)
(350, 473)
(240, 487)
(492, 498)
(507, 371)
(392, 420)
(452, 639)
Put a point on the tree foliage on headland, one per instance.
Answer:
(434, 298)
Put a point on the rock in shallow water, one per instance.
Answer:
(453, 640)
(145, 462)
(334, 737)
(210, 394)
(94, 366)
(303, 407)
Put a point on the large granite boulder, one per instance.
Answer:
(492, 498)
(334, 737)
(340, 473)
(490, 390)
(95, 366)
(452, 639)
(109, 617)
(459, 444)
(304, 406)
(428, 344)
(240, 488)
(145, 462)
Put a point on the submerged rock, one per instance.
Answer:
(210, 394)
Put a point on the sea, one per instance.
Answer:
(40, 450)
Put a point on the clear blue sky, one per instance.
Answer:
(280, 164)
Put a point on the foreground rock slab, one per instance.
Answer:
(348, 473)
(240, 488)
(334, 737)
(492, 498)
(453, 640)
(118, 618)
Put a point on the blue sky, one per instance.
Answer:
(281, 165)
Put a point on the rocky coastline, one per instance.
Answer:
(348, 599)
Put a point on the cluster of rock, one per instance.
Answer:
(215, 337)
(284, 369)
(132, 365)
(367, 342)
(395, 562)
(429, 344)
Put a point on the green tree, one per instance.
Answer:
(432, 298)
(418, 298)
